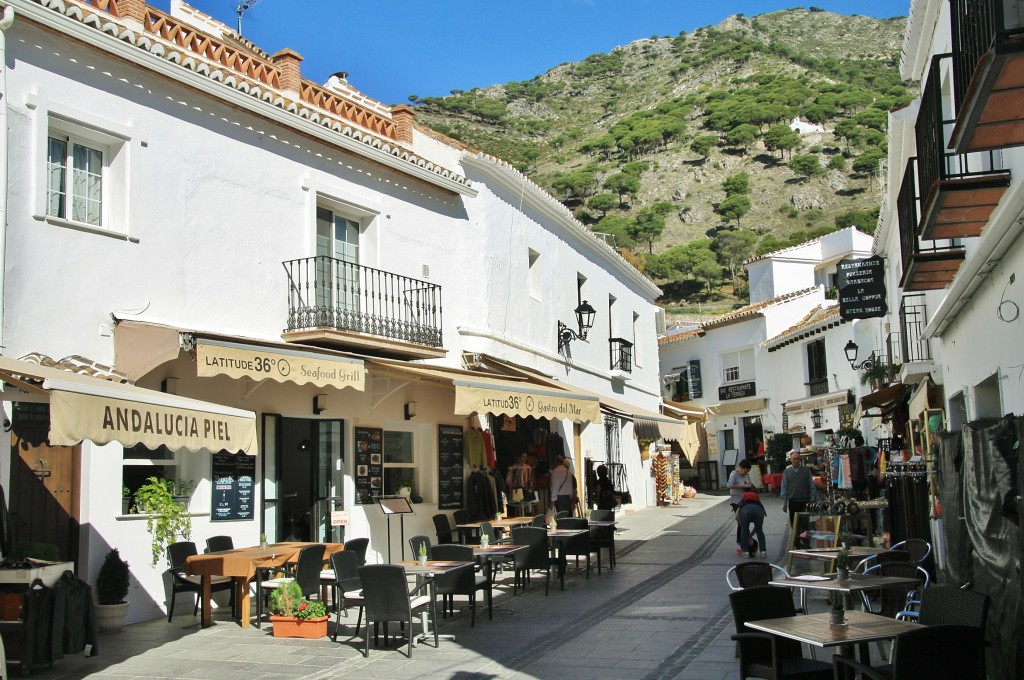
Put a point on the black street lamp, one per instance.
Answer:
(851, 356)
(585, 321)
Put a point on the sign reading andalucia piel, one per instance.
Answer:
(264, 363)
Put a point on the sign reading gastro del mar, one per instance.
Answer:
(472, 397)
(263, 363)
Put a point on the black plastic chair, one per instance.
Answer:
(763, 655)
(465, 581)
(181, 582)
(346, 589)
(307, 575)
(537, 556)
(577, 546)
(933, 652)
(416, 541)
(219, 543)
(386, 597)
(358, 546)
(603, 537)
(883, 558)
(562, 514)
(462, 516)
(539, 521)
(443, 528)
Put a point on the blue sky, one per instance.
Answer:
(393, 49)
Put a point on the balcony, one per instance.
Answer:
(924, 268)
(988, 76)
(621, 353)
(816, 386)
(343, 305)
(912, 349)
(958, 191)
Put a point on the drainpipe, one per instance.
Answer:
(5, 23)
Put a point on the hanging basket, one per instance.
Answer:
(292, 627)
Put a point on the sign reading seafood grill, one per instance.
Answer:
(861, 285)
(262, 363)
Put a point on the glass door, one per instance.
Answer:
(330, 474)
(337, 249)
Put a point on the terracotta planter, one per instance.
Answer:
(291, 627)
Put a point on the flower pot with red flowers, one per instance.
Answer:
(295, 616)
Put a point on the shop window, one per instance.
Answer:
(399, 461)
(141, 463)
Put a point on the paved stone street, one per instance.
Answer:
(663, 613)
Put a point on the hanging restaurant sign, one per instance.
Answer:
(861, 285)
(237, 360)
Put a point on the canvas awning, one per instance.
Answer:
(884, 399)
(141, 346)
(504, 397)
(738, 406)
(476, 393)
(103, 411)
(820, 401)
(660, 427)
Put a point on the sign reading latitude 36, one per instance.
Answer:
(861, 285)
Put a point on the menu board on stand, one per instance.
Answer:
(234, 477)
(450, 464)
(369, 464)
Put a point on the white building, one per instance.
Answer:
(189, 212)
(777, 365)
(952, 222)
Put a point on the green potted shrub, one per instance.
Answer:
(126, 500)
(295, 616)
(169, 520)
(112, 583)
(838, 608)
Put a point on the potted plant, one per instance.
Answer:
(838, 608)
(843, 564)
(169, 519)
(263, 542)
(295, 616)
(126, 500)
(407, 487)
(111, 591)
(423, 554)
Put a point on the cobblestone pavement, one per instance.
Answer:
(662, 614)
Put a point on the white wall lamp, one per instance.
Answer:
(585, 320)
(410, 410)
(319, 404)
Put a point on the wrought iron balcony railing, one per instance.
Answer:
(913, 319)
(324, 292)
(621, 354)
(893, 347)
(816, 386)
(977, 25)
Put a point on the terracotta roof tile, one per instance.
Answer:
(737, 315)
(818, 320)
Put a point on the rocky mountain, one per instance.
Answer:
(697, 151)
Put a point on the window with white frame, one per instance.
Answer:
(738, 365)
(83, 170)
(74, 179)
(399, 456)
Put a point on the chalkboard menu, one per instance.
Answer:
(450, 462)
(234, 483)
(861, 285)
(369, 465)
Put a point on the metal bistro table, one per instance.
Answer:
(493, 555)
(832, 582)
(504, 524)
(815, 629)
(857, 553)
(558, 536)
(427, 572)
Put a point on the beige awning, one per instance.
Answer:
(818, 402)
(103, 411)
(281, 364)
(738, 406)
(656, 427)
(504, 397)
(919, 401)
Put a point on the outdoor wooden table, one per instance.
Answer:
(816, 629)
(241, 565)
(832, 582)
(426, 573)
